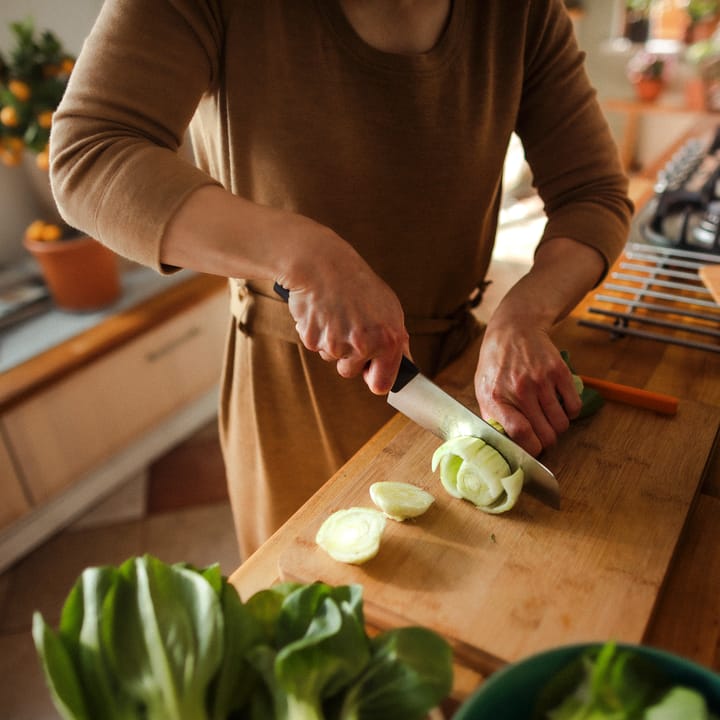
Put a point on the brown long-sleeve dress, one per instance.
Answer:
(401, 155)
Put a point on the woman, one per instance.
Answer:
(351, 151)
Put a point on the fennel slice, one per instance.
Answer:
(400, 500)
(352, 535)
(513, 485)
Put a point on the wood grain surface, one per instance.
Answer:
(502, 587)
(710, 275)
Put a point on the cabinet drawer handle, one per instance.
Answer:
(173, 344)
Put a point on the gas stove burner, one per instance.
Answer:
(689, 228)
(685, 212)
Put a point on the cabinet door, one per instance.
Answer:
(13, 502)
(78, 423)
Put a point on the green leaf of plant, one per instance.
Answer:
(410, 673)
(236, 680)
(60, 673)
(333, 652)
(163, 627)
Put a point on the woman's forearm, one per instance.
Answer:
(563, 272)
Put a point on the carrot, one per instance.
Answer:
(666, 404)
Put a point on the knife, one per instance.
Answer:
(429, 406)
(432, 408)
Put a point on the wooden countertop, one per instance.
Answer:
(684, 618)
(22, 381)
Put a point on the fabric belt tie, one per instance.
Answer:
(257, 313)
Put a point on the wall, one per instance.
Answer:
(19, 201)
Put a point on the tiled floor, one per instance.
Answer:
(188, 519)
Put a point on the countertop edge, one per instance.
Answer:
(48, 367)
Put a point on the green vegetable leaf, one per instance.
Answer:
(236, 679)
(163, 629)
(333, 651)
(410, 673)
(59, 671)
(680, 703)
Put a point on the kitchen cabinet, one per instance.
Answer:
(13, 501)
(84, 417)
(64, 431)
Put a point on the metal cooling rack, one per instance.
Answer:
(656, 293)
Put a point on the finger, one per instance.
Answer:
(519, 430)
(570, 398)
(380, 373)
(352, 366)
(553, 411)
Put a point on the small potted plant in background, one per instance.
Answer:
(646, 73)
(80, 273)
(637, 20)
(703, 19)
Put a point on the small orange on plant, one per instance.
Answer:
(44, 119)
(34, 230)
(9, 116)
(20, 89)
(41, 231)
(51, 233)
(42, 159)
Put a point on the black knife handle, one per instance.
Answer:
(407, 370)
(284, 293)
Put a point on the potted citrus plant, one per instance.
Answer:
(33, 78)
(80, 273)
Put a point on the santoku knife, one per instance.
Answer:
(432, 408)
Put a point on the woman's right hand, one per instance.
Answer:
(342, 309)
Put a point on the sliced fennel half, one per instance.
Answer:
(400, 500)
(352, 535)
(475, 471)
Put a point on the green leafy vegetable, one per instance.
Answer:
(591, 399)
(611, 683)
(150, 640)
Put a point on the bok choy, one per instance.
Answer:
(151, 640)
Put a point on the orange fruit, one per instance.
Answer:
(50, 233)
(44, 119)
(9, 116)
(42, 160)
(14, 144)
(20, 89)
(9, 158)
(34, 230)
(67, 65)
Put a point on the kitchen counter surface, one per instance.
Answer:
(684, 615)
(43, 349)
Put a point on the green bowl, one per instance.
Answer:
(511, 692)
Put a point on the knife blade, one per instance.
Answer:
(431, 407)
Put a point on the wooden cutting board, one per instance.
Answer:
(710, 275)
(502, 587)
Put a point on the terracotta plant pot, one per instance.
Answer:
(80, 273)
(648, 89)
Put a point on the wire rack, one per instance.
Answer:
(655, 293)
